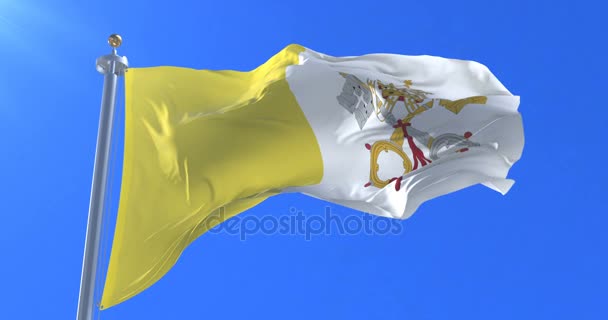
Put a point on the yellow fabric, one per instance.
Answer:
(197, 141)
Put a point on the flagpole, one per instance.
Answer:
(111, 66)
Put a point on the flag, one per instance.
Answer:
(380, 133)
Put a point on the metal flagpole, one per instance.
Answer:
(111, 66)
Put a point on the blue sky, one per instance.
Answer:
(538, 253)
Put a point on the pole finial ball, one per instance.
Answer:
(115, 40)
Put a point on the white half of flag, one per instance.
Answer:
(451, 120)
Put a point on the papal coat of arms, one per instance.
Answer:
(397, 105)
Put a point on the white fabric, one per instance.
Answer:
(496, 127)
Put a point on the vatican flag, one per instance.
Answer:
(380, 133)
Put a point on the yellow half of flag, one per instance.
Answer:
(191, 136)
